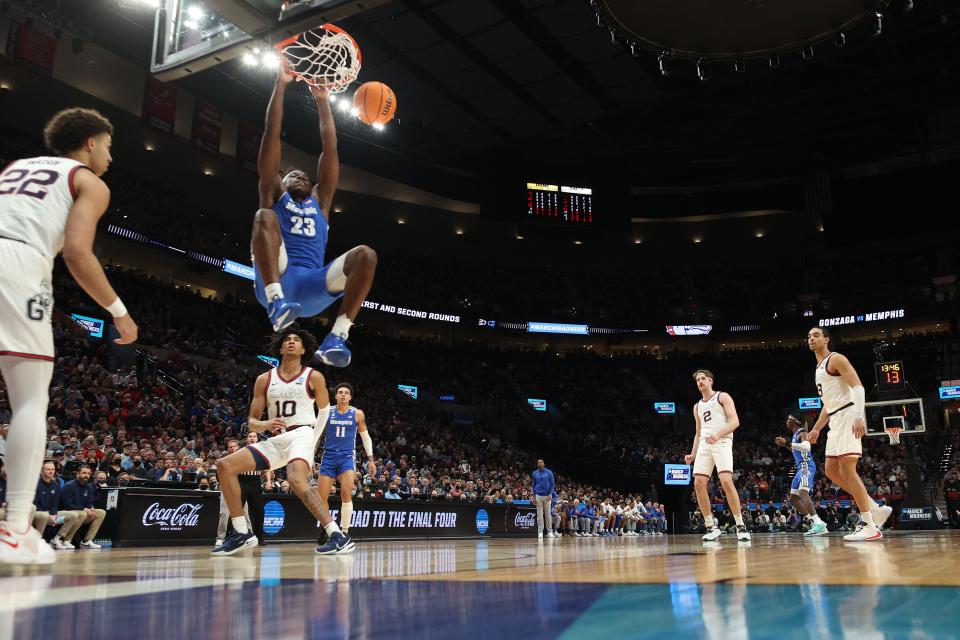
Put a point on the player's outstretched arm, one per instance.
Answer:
(689, 458)
(268, 161)
(257, 405)
(91, 202)
(818, 426)
(367, 441)
(328, 167)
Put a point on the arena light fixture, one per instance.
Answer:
(703, 70)
(269, 60)
(765, 30)
(459, 232)
(344, 105)
(249, 60)
(195, 12)
(662, 64)
(378, 126)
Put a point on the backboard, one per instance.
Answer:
(192, 35)
(906, 413)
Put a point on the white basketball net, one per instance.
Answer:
(324, 58)
(894, 434)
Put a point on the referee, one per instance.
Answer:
(251, 494)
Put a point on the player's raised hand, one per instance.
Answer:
(688, 459)
(859, 428)
(128, 329)
(284, 71)
(319, 92)
(813, 436)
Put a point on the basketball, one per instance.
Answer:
(375, 102)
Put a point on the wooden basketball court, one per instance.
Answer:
(778, 585)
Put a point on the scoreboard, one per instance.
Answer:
(890, 376)
(560, 205)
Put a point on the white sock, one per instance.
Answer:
(27, 383)
(342, 326)
(331, 528)
(239, 524)
(738, 519)
(708, 522)
(867, 518)
(873, 504)
(273, 290)
(346, 512)
(816, 519)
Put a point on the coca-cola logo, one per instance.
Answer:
(525, 520)
(172, 519)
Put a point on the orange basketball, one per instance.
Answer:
(375, 102)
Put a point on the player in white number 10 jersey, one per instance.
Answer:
(288, 394)
(843, 409)
(713, 447)
(48, 204)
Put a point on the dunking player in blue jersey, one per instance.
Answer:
(339, 459)
(803, 479)
(290, 235)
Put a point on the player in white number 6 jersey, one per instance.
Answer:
(288, 394)
(713, 447)
(843, 409)
(48, 204)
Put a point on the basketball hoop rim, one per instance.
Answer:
(280, 46)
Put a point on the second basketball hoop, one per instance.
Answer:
(325, 57)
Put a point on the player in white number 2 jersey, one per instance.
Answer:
(843, 409)
(713, 447)
(48, 204)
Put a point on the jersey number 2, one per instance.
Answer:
(303, 226)
(14, 178)
(706, 416)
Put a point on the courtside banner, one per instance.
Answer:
(286, 519)
(167, 517)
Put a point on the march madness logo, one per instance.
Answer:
(483, 521)
(273, 517)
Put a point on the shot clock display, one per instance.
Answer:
(560, 205)
(890, 376)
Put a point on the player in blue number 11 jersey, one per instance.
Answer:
(290, 235)
(339, 461)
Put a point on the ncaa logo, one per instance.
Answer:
(273, 517)
(483, 521)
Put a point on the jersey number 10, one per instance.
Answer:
(287, 409)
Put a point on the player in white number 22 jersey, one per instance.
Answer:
(47, 205)
(843, 409)
(713, 447)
